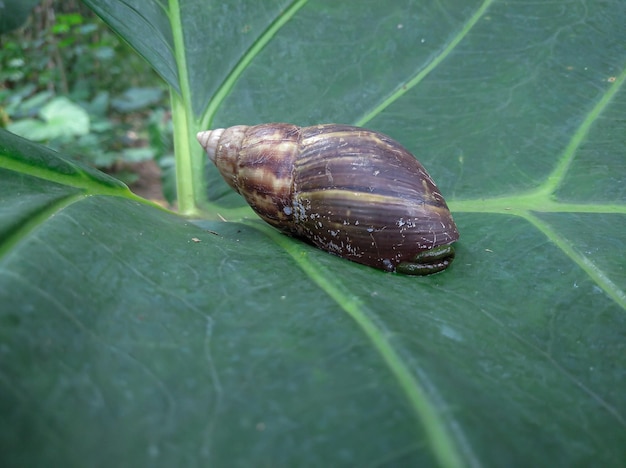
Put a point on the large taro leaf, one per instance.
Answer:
(131, 336)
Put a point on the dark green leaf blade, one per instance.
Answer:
(145, 25)
(26, 157)
(13, 13)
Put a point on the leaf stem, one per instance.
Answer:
(189, 162)
(185, 176)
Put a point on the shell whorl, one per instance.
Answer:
(209, 141)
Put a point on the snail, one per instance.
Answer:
(353, 192)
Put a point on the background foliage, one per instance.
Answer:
(173, 342)
(67, 80)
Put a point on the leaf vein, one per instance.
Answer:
(229, 82)
(430, 66)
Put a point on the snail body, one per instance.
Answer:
(352, 192)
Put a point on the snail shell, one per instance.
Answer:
(352, 192)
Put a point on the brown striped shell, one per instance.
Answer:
(353, 192)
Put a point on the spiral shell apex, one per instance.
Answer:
(352, 192)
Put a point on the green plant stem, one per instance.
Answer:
(188, 179)
(190, 185)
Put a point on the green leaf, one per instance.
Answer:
(61, 117)
(132, 336)
(135, 99)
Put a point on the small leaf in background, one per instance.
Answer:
(104, 53)
(59, 118)
(137, 154)
(69, 118)
(23, 104)
(135, 99)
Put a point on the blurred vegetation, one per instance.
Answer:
(68, 81)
